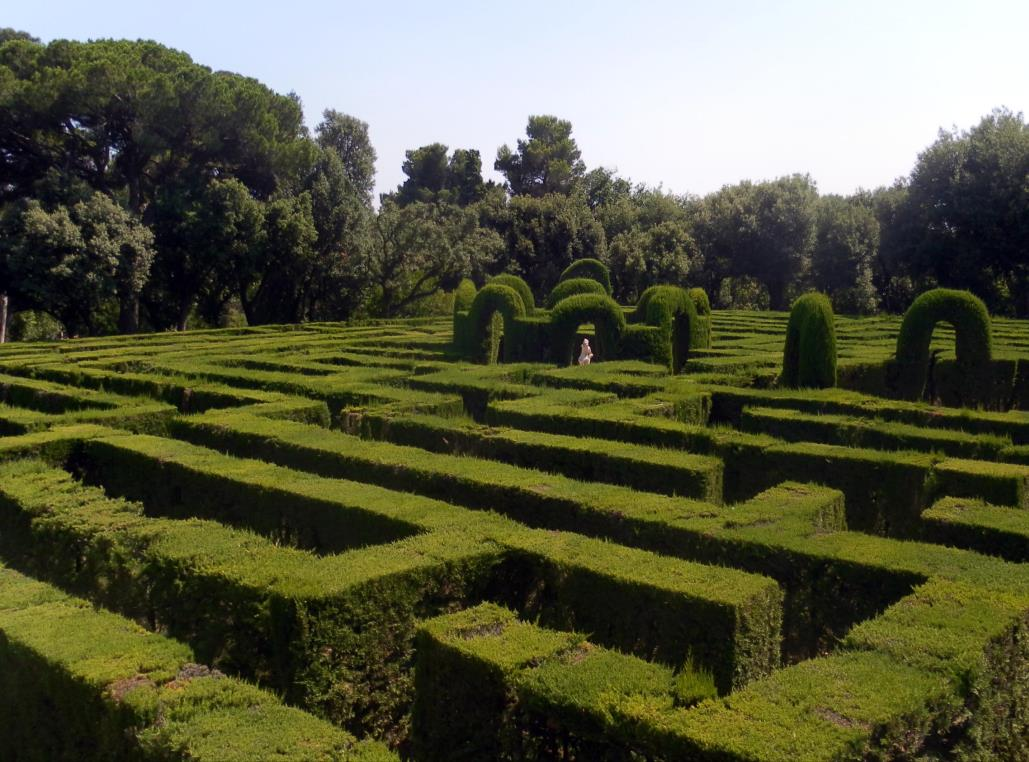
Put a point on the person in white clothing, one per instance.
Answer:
(586, 354)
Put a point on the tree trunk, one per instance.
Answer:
(183, 315)
(3, 318)
(128, 314)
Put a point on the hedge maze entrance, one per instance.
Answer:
(344, 542)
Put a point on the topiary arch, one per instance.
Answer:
(570, 313)
(703, 333)
(494, 298)
(574, 286)
(520, 286)
(593, 269)
(809, 356)
(672, 311)
(971, 321)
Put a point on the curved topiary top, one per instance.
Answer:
(809, 356)
(573, 286)
(593, 269)
(658, 305)
(666, 307)
(464, 295)
(972, 336)
(520, 286)
(599, 309)
(493, 297)
(700, 301)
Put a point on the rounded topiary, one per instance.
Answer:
(809, 357)
(972, 339)
(703, 305)
(671, 309)
(464, 295)
(570, 313)
(520, 286)
(700, 301)
(492, 299)
(593, 269)
(573, 286)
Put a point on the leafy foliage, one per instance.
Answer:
(809, 356)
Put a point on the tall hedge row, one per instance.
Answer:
(520, 286)
(593, 269)
(809, 356)
(569, 314)
(574, 286)
(973, 339)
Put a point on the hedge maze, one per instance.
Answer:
(352, 542)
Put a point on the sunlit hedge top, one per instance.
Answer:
(809, 356)
(593, 269)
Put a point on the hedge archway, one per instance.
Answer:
(672, 310)
(520, 287)
(593, 269)
(703, 305)
(809, 356)
(494, 298)
(570, 313)
(972, 339)
(574, 286)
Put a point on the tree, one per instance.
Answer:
(422, 248)
(348, 137)
(66, 262)
(433, 178)
(146, 125)
(650, 240)
(211, 241)
(276, 284)
(342, 221)
(544, 235)
(967, 196)
(114, 234)
(548, 162)
(763, 231)
(843, 257)
(7, 34)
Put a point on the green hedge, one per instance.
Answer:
(592, 269)
(573, 286)
(494, 298)
(520, 286)
(649, 469)
(809, 356)
(672, 310)
(703, 307)
(570, 313)
(797, 426)
(974, 524)
(81, 683)
(303, 624)
(464, 295)
(973, 339)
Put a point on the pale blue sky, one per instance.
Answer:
(692, 95)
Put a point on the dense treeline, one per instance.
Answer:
(143, 191)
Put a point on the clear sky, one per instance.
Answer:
(686, 94)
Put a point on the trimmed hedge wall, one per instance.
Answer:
(672, 311)
(809, 356)
(78, 683)
(973, 340)
(570, 313)
(593, 269)
(519, 285)
(493, 298)
(703, 306)
(573, 286)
